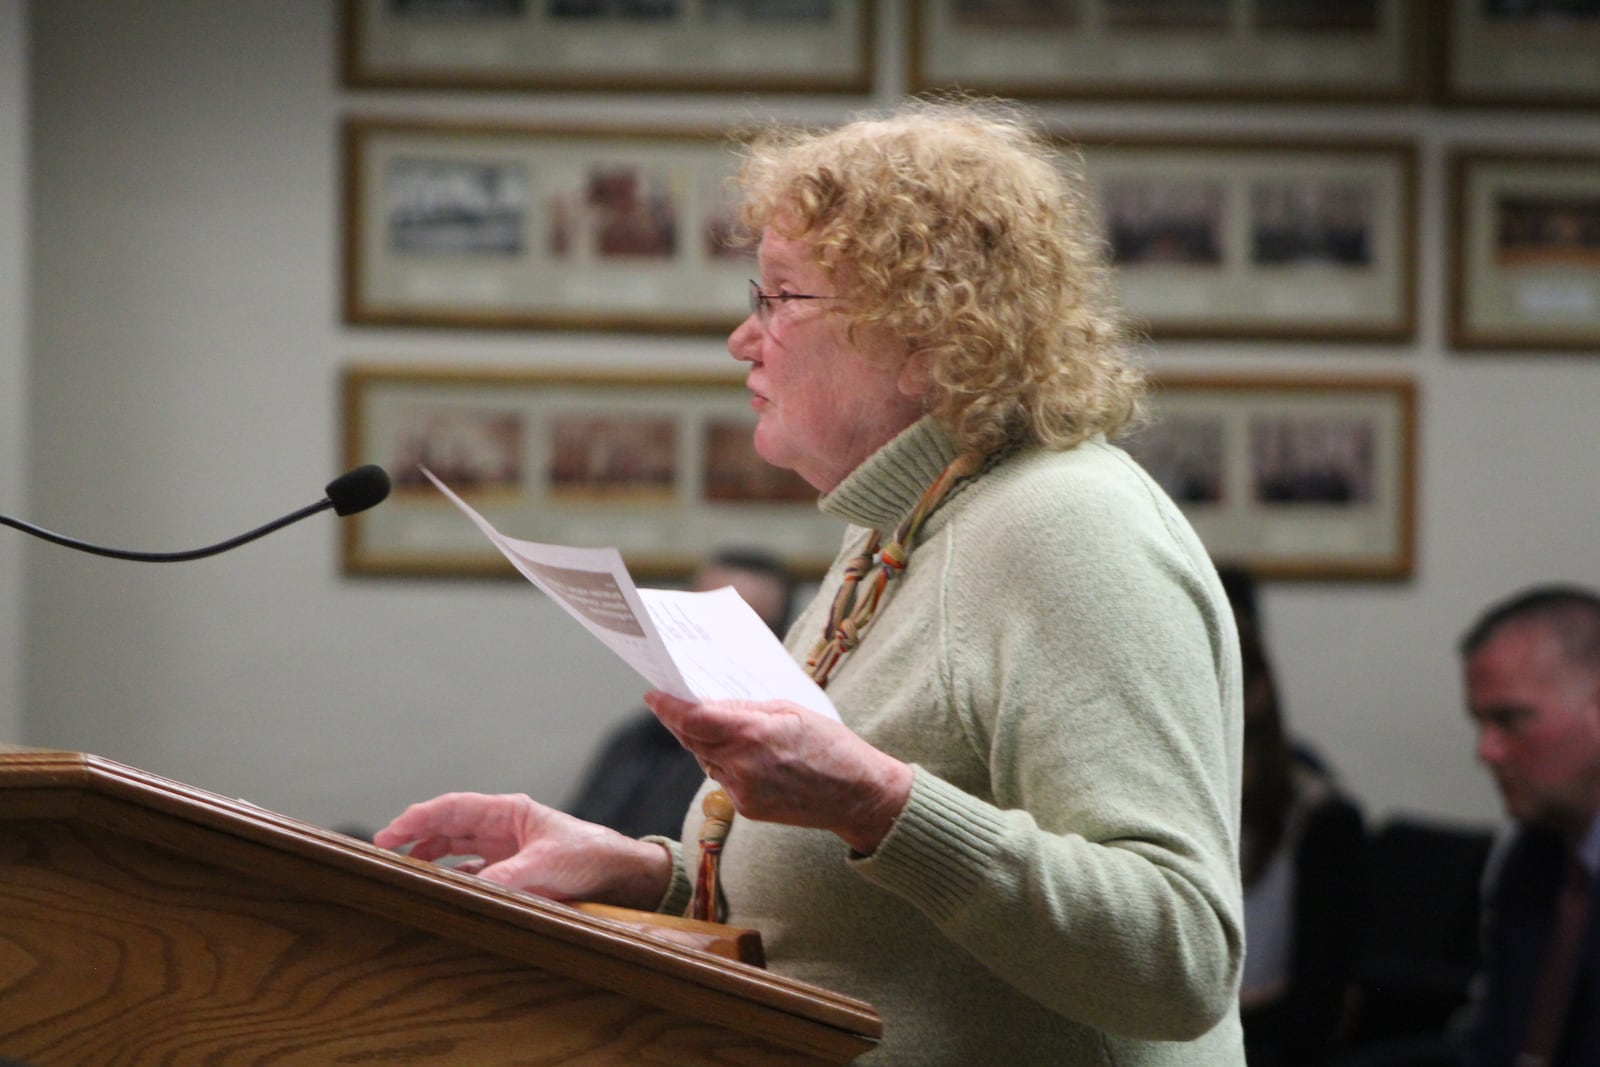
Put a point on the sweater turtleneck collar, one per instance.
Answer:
(887, 485)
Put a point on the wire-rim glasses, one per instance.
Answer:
(761, 301)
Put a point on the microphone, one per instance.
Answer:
(353, 491)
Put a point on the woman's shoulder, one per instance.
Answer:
(1090, 494)
(1043, 523)
(1092, 473)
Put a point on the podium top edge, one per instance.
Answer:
(88, 787)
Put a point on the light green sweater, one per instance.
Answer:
(1059, 663)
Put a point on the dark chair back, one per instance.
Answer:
(1423, 937)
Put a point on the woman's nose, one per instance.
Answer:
(744, 343)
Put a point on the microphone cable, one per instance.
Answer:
(353, 491)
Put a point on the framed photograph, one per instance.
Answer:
(508, 226)
(1291, 477)
(1283, 50)
(1525, 255)
(660, 467)
(743, 46)
(1287, 240)
(1519, 53)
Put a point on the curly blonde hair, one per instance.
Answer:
(968, 233)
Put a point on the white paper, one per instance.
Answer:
(699, 646)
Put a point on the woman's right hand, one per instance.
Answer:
(537, 849)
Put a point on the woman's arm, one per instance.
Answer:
(1087, 655)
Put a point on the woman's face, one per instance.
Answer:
(823, 403)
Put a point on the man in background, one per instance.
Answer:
(1532, 666)
(641, 781)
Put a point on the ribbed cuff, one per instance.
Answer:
(937, 851)
(676, 899)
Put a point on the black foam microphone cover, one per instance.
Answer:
(359, 489)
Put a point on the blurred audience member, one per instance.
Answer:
(1532, 673)
(641, 781)
(1302, 849)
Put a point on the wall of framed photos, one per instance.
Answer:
(202, 297)
(1289, 237)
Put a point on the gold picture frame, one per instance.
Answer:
(1260, 238)
(1232, 51)
(658, 465)
(743, 46)
(505, 226)
(1291, 476)
(1525, 55)
(1525, 250)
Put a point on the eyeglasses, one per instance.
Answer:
(761, 301)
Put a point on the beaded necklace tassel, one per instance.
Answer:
(847, 622)
(706, 904)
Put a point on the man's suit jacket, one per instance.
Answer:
(641, 782)
(1520, 918)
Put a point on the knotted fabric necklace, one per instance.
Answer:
(847, 624)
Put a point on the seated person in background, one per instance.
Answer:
(641, 781)
(1532, 667)
(1301, 860)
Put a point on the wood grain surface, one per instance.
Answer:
(144, 922)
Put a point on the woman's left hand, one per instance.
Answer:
(783, 763)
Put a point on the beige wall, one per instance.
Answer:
(13, 355)
(185, 347)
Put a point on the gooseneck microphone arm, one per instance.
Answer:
(163, 557)
(353, 491)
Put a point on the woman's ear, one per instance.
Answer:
(916, 375)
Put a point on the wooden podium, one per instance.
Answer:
(145, 921)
